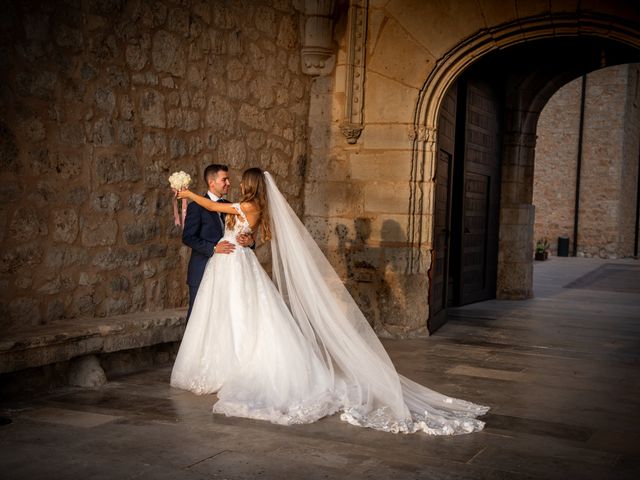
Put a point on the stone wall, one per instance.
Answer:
(555, 164)
(609, 164)
(100, 102)
(357, 194)
(630, 176)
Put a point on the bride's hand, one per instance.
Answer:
(184, 194)
(245, 240)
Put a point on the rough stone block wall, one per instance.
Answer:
(555, 165)
(609, 164)
(99, 102)
(600, 194)
(631, 164)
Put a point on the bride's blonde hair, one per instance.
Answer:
(255, 190)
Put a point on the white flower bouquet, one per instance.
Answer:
(179, 181)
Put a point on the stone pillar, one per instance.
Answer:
(515, 267)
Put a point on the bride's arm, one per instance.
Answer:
(207, 202)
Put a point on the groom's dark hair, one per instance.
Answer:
(212, 171)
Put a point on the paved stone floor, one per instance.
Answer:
(560, 372)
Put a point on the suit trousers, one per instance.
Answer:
(193, 291)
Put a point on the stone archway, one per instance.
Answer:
(613, 40)
(383, 178)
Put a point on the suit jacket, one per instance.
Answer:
(202, 231)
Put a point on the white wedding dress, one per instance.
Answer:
(242, 342)
(303, 350)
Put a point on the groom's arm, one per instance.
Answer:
(191, 233)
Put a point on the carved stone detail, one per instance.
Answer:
(351, 131)
(318, 56)
(422, 133)
(354, 78)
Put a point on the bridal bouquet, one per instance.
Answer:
(179, 181)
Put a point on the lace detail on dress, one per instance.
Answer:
(312, 410)
(239, 210)
(433, 422)
(241, 226)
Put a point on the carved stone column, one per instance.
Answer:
(318, 54)
(421, 195)
(352, 125)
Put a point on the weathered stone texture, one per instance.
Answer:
(27, 224)
(168, 53)
(25, 309)
(108, 202)
(99, 231)
(117, 168)
(152, 109)
(87, 372)
(141, 232)
(65, 225)
(61, 257)
(101, 101)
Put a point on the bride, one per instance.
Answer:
(303, 350)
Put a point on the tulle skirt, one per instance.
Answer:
(242, 342)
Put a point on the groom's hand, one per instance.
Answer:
(224, 247)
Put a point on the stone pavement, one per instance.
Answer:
(560, 372)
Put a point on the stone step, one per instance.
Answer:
(36, 346)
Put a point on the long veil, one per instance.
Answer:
(370, 391)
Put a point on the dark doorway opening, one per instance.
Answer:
(494, 105)
(467, 194)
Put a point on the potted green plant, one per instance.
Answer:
(542, 249)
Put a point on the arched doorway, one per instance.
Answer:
(493, 259)
(586, 177)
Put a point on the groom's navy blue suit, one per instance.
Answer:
(203, 229)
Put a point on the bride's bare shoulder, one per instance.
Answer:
(249, 207)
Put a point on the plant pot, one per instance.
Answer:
(541, 255)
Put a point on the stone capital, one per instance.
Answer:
(318, 55)
(351, 131)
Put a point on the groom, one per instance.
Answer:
(203, 229)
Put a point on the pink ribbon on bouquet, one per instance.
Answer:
(177, 218)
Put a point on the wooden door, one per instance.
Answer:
(438, 285)
(480, 196)
(467, 197)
